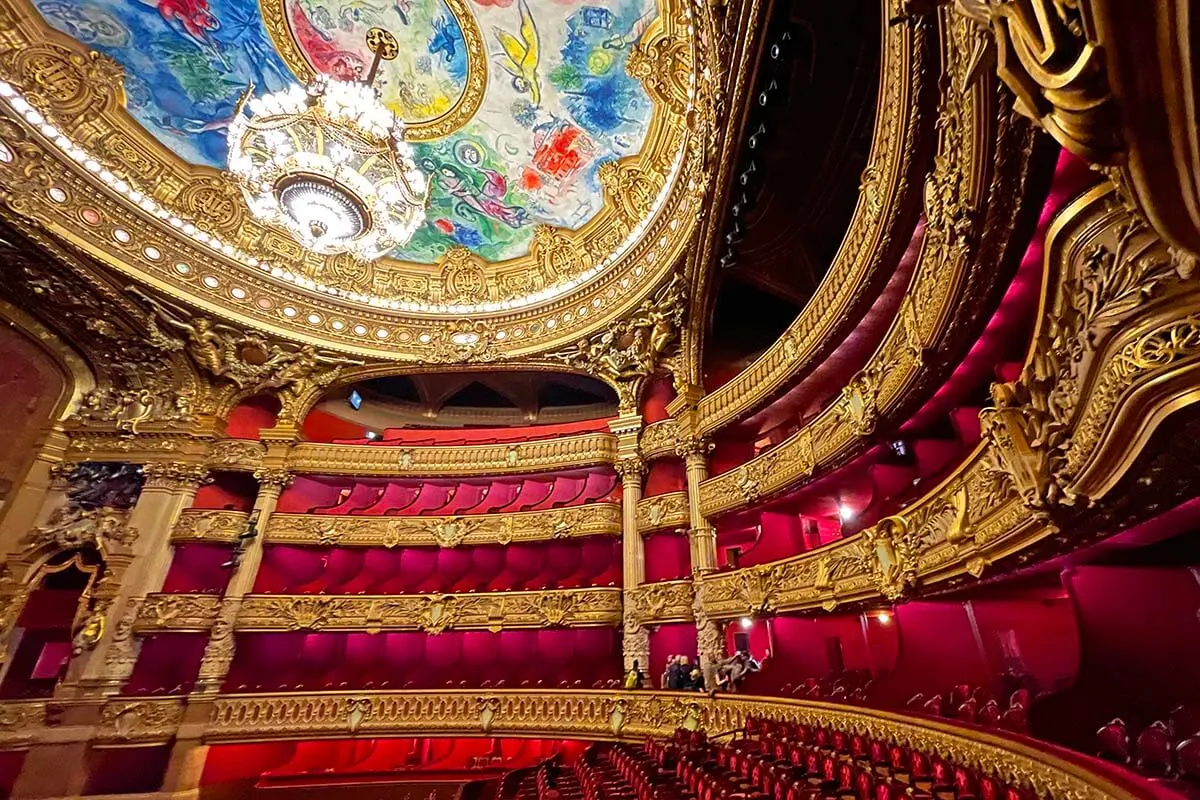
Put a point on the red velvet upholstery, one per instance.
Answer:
(196, 568)
(396, 660)
(567, 563)
(448, 496)
(167, 664)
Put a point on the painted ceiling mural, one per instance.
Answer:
(513, 105)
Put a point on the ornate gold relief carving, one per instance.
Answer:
(666, 601)
(174, 475)
(432, 613)
(177, 612)
(566, 452)
(463, 278)
(889, 551)
(236, 454)
(664, 66)
(662, 511)
(140, 720)
(72, 527)
(203, 525)
(859, 406)
(632, 348)
(589, 520)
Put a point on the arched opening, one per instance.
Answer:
(54, 614)
(397, 407)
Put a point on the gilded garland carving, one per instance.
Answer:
(140, 720)
(177, 612)
(597, 519)
(432, 613)
(203, 525)
(663, 511)
(235, 454)
(566, 452)
(655, 603)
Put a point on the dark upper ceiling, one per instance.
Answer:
(805, 143)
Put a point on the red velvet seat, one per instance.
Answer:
(1154, 750)
(1112, 742)
(1187, 758)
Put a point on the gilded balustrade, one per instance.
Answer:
(596, 715)
(661, 602)
(209, 525)
(594, 519)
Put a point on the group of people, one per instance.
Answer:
(681, 675)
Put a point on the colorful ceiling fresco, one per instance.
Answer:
(512, 105)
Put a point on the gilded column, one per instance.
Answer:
(218, 654)
(635, 641)
(703, 539)
(169, 488)
(702, 535)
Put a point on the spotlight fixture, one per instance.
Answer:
(845, 512)
(747, 623)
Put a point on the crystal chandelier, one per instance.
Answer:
(329, 164)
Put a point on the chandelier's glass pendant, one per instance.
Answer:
(329, 164)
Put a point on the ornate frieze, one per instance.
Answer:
(177, 612)
(662, 511)
(666, 601)
(432, 613)
(566, 452)
(151, 720)
(174, 475)
(235, 454)
(596, 519)
(207, 525)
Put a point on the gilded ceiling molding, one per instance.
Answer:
(1116, 84)
(566, 452)
(434, 613)
(969, 222)
(874, 241)
(663, 511)
(630, 716)
(177, 613)
(138, 187)
(662, 602)
(1117, 351)
(595, 519)
(205, 525)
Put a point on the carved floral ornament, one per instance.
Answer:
(432, 613)
(588, 520)
(1121, 319)
(649, 216)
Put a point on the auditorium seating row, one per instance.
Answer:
(976, 705)
(1163, 749)
(447, 496)
(424, 437)
(565, 563)
(324, 661)
(782, 761)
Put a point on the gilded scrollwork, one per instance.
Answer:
(72, 527)
(140, 720)
(207, 525)
(177, 612)
(663, 511)
(632, 348)
(666, 601)
(432, 613)
(588, 520)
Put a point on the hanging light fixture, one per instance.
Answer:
(329, 164)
